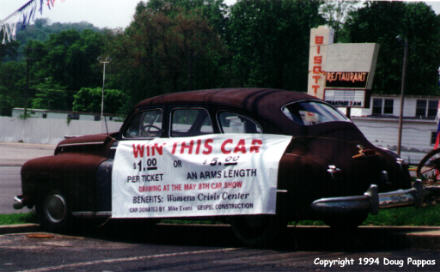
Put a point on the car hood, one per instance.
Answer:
(87, 139)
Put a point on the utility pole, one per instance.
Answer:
(104, 61)
(402, 91)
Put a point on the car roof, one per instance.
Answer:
(251, 99)
(262, 103)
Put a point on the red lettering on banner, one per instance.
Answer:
(138, 150)
(158, 148)
(199, 143)
(223, 147)
(208, 147)
(241, 147)
(255, 147)
(184, 146)
(147, 150)
(174, 148)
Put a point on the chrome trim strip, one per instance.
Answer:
(77, 144)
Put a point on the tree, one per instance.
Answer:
(12, 86)
(382, 23)
(49, 95)
(269, 42)
(67, 59)
(89, 100)
(167, 48)
(336, 13)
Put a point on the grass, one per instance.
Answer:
(407, 216)
(17, 218)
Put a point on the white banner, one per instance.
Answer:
(216, 174)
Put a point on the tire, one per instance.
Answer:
(425, 161)
(258, 230)
(348, 222)
(54, 212)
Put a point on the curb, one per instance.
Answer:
(19, 228)
(423, 237)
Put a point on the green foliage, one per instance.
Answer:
(165, 49)
(50, 95)
(89, 100)
(41, 31)
(382, 22)
(269, 42)
(17, 218)
(13, 91)
(408, 216)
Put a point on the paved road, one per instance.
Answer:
(12, 156)
(209, 248)
(9, 187)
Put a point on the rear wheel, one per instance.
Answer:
(258, 230)
(54, 212)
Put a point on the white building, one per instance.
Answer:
(380, 123)
(66, 115)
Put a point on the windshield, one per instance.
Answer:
(312, 113)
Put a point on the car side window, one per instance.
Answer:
(236, 123)
(145, 124)
(190, 122)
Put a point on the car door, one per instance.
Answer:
(145, 124)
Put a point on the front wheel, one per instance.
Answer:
(258, 230)
(54, 212)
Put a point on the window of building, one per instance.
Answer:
(382, 106)
(426, 108)
(190, 122)
(421, 108)
(377, 106)
(432, 109)
(388, 106)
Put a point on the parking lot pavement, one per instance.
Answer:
(16, 154)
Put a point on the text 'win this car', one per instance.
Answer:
(257, 158)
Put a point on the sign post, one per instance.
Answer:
(320, 38)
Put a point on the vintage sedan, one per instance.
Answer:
(257, 158)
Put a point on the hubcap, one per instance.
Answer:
(55, 208)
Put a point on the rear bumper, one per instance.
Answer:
(371, 201)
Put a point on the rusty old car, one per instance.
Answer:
(328, 170)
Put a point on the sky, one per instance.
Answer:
(101, 13)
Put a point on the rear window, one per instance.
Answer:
(311, 113)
